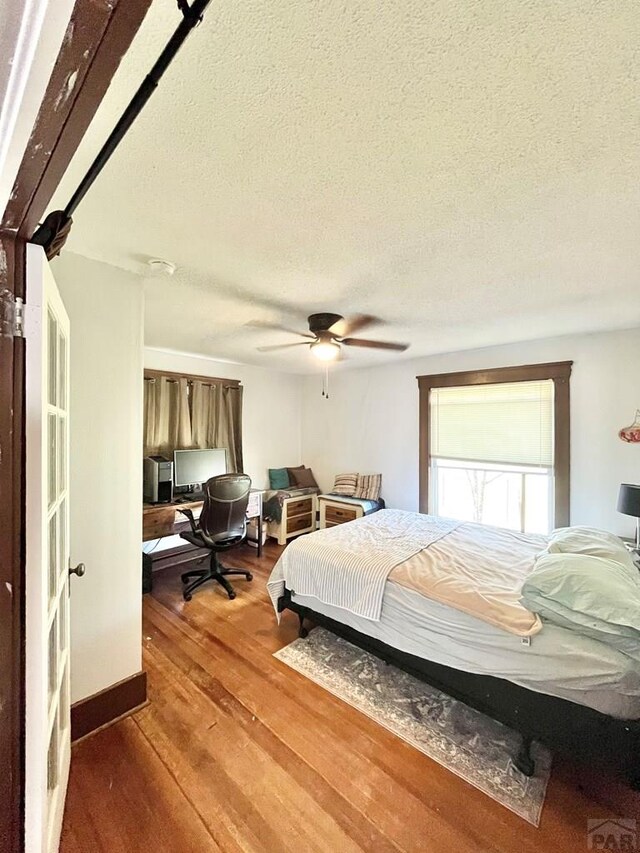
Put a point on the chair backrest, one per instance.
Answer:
(223, 514)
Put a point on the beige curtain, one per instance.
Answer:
(204, 403)
(209, 416)
(229, 426)
(167, 420)
(149, 422)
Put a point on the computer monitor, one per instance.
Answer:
(192, 467)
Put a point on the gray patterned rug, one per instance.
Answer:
(470, 744)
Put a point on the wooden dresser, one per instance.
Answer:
(334, 511)
(298, 516)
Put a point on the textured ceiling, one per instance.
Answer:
(468, 171)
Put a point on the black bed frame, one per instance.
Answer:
(565, 727)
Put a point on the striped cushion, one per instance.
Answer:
(368, 487)
(345, 484)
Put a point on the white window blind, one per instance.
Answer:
(510, 423)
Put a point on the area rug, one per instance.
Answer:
(466, 742)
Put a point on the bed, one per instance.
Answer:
(466, 631)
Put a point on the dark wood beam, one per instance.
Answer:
(11, 548)
(98, 36)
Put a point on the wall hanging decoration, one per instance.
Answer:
(631, 433)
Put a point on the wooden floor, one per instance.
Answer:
(236, 752)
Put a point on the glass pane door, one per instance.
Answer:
(48, 728)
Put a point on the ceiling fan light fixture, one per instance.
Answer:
(325, 350)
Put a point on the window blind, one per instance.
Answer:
(509, 423)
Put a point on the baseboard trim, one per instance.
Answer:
(108, 705)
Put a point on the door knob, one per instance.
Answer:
(79, 570)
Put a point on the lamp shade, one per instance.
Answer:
(629, 500)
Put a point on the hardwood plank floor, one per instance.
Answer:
(236, 752)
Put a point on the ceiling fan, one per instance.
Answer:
(328, 331)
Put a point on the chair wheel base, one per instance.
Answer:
(218, 573)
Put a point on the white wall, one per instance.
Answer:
(105, 306)
(370, 422)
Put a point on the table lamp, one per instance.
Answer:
(629, 504)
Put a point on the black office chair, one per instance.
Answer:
(222, 525)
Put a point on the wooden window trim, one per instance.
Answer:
(558, 371)
(190, 377)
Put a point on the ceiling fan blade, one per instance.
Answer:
(274, 347)
(362, 342)
(350, 325)
(274, 327)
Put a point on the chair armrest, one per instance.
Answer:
(192, 521)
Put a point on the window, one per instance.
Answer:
(494, 446)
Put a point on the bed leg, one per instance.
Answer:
(523, 760)
(302, 631)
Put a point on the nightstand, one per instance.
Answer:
(337, 510)
(334, 511)
(298, 516)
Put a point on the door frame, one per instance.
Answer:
(98, 36)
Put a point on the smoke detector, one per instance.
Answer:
(159, 267)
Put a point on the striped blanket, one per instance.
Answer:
(347, 566)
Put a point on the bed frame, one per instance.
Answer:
(565, 727)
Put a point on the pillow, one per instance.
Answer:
(594, 596)
(303, 478)
(279, 478)
(588, 540)
(345, 484)
(368, 487)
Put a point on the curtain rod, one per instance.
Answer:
(211, 384)
(150, 373)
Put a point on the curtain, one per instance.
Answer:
(167, 420)
(204, 404)
(203, 415)
(149, 422)
(228, 419)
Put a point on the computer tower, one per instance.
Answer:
(157, 479)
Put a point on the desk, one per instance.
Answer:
(160, 520)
